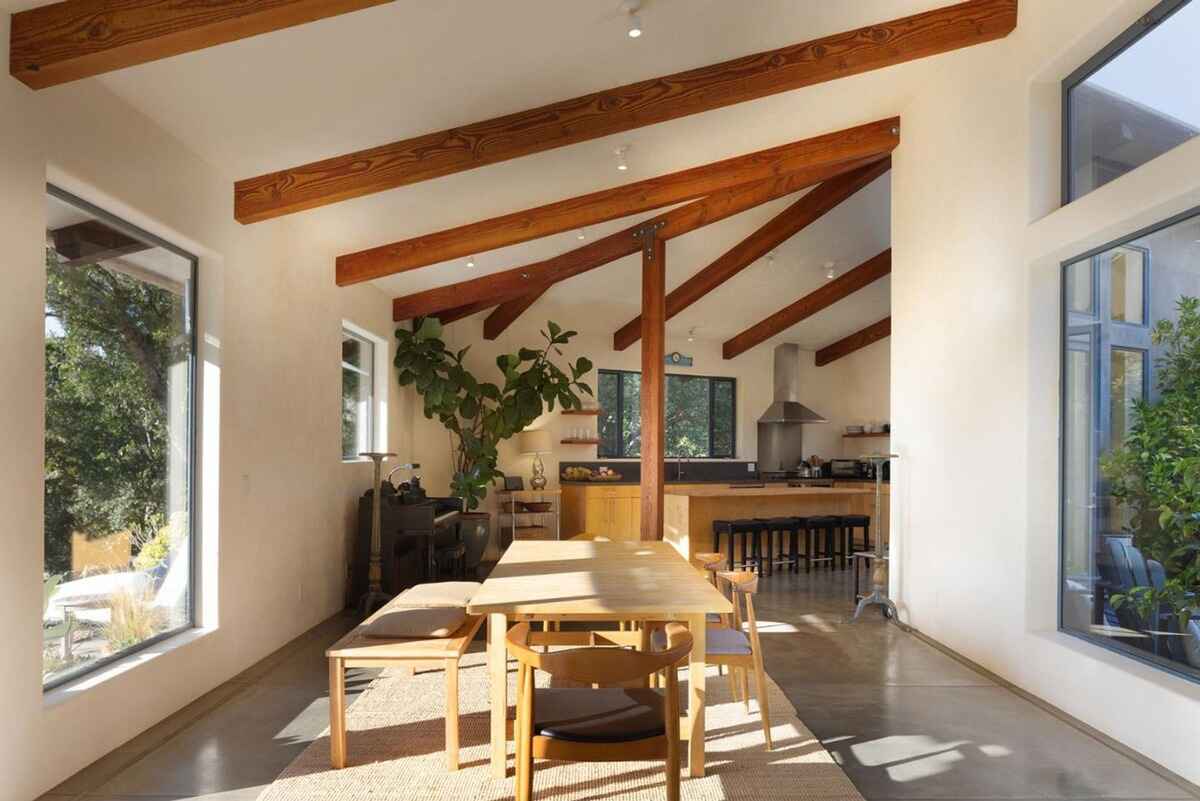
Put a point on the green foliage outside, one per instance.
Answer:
(479, 414)
(111, 340)
(686, 416)
(1155, 474)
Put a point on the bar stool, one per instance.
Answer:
(852, 522)
(781, 531)
(749, 531)
(827, 527)
(799, 525)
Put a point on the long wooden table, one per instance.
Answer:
(595, 581)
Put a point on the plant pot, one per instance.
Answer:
(475, 531)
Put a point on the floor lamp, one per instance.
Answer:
(375, 597)
(879, 570)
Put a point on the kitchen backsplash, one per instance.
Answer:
(676, 471)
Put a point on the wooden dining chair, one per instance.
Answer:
(736, 648)
(605, 723)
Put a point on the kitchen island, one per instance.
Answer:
(688, 512)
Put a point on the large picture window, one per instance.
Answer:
(1130, 577)
(701, 416)
(119, 347)
(1134, 100)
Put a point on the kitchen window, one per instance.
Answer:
(1132, 101)
(700, 414)
(119, 560)
(1130, 515)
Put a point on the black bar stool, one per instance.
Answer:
(799, 525)
(750, 532)
(827, 528)
(852, 522)
(781, 534)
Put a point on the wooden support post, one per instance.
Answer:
(653, 390)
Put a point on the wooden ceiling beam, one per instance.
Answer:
(823, 297)
(92, 242)
(514, 284)
(779, 229)
(74, 39)
(856, 341)
(507, 313)
(865, 141)
(623, 108)
(459, 312)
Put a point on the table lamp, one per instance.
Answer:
(537, 442)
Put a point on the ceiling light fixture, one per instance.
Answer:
(470, 261)
(692, 334)
(771, 258)
(631, 8)
(830, 269)
(620, 152)
(581, 234)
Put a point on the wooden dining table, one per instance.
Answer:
(583, 580)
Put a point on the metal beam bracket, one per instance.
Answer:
(647, 233)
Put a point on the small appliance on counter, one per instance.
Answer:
(842, 468)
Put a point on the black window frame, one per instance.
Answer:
(713, 381)
(192, 320)
(1100, 402)
(1127, 39)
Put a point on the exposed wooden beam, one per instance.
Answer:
(75, 39)
(865, 141)
(782, 227)
(459, 312)
(513, 284)
(92, 241)
(623, 108)
(506, 313)
(653, 385)
(859, 339)
(828, 294)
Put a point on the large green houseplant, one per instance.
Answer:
(1155, 474)
(479, 415)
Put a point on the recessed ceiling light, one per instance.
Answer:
(620, 152)
(470, 261)
(631, 8)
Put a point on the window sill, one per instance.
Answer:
(75, 689)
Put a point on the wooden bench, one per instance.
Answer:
(358, 650)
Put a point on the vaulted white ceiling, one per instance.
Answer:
(409, 67)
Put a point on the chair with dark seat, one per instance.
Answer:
(824, 528)
(781, 536)
(750, 532)
(604, 724)
(853, 522)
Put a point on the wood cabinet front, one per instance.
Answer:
(590, 511)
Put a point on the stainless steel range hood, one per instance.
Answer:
(787, 407)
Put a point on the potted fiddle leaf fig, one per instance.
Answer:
(479, 415)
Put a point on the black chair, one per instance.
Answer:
(781, 536)
(826, 528)
(853, 522)
(750, 532)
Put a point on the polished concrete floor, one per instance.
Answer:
(905, 720)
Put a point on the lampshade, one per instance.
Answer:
(535, 441)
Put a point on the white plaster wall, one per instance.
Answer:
(854, 390)
(276, 500)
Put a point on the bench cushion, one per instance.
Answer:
(440, 621)
(441, 593)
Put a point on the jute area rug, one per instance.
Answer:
(396, 740)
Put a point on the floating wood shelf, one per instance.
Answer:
(867, 434)
(574, 441)
(592, 412)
